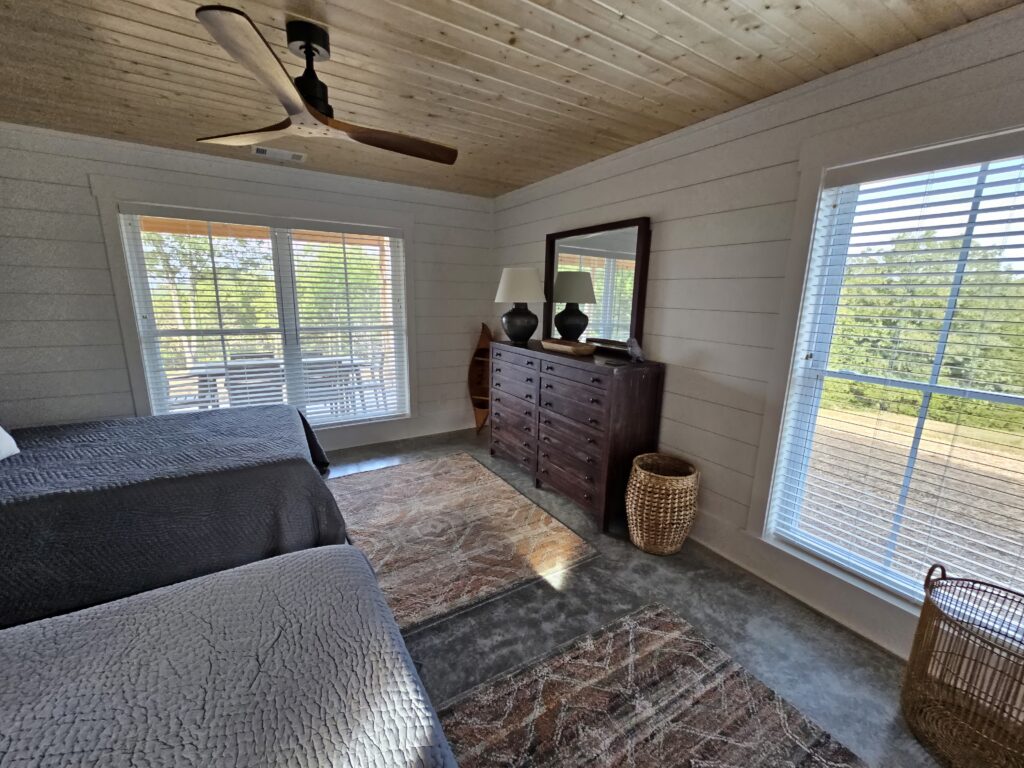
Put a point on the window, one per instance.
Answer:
(240, 314)
(902, 440)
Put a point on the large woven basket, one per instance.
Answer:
(963, 693)
(661, 502)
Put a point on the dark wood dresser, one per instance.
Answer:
(574, 423)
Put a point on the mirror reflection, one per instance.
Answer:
(603, 293)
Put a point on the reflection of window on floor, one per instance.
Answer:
(903, 434)
(233, 314)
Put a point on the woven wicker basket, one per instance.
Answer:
(963, 693)
(661, 502)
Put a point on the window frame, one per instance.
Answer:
(328, 212)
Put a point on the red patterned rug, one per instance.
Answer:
(644, 692)
(444, 534)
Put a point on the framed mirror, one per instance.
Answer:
(605, 305)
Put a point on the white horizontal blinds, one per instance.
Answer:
(206, 297)
(233, 314)
(903, 434)
(351, 324)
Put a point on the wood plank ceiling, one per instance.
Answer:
(524, 88)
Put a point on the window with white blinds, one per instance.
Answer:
(239, 314)
(902, 441)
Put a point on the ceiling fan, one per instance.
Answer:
(305, 98)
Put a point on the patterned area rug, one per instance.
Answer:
(444, 534)
(645, 691)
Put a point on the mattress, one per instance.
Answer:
(291, 661)
(96, 511)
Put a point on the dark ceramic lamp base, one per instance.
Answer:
(519, 323)
(571, 322)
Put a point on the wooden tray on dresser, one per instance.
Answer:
(575, 423)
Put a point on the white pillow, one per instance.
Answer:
(7, 445)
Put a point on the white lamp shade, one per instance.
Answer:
(574, 287)
(519, 284)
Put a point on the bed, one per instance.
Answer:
(96, 511)
(290, 661)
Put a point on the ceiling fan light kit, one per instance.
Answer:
(310, 115)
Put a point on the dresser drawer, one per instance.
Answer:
(523, 451)
(502, 384)
(513, 407)
(512, 372)
(504, 354)
(591, 416)
(592, 396)
(565, 451)
(584, 494)
(572, 432)
(581, 375)
(513, 420)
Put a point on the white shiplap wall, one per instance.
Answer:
(722, 197)
(61, 352)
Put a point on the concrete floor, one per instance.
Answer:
(843, 682)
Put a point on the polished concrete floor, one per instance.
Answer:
(845, 683)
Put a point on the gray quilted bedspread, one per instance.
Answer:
(93, 512)
(293, 661)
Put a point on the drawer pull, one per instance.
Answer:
(530, 363)
(549, 386)
(497, 370)
(497, 385)
(547, 422)
(526, 459)
(587, 496)
(588, 478)
(547, 404)
(529, 397)
(497, 354)
(529, 379)
(594, 401)
(595, 379)
(527, 412)
(592, 421)
(496, 399)
(526, 429)
(526, 443)
(549, 368)
(543, 471)
(544, 455)
(547, 439)
(590, 440)
(590, 460)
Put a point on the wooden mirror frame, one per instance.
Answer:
(643, 257)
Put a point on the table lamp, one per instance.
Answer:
(519, 285)
(574, 288)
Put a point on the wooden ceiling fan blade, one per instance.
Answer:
(238, 35)
(247, 138)
(398, 142)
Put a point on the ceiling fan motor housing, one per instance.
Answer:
(312, 43)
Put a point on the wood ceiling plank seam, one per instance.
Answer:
(625, 122)
(217, 51)
(799, 22)
(133, 114)
(591, 41)
(926, 19)
(696, 35)
(976, 9)
(652, 43)
(503, 68)
(881, 36)
(185, 69)
(736, 22)
(356, 167)
(492, 21)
